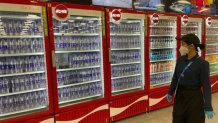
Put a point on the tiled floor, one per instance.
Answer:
(164, 115)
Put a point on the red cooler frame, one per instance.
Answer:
(38, 116)
(213, 78)
(85, 108)
(121, 106)
(157, 96)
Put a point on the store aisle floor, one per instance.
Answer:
(164, 115)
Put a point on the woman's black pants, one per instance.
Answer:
(188, 105)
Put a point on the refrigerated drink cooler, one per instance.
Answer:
(126, 45)
(211, 47)
(211, 52)
(24, 84)
(163, 29)
(194, 25)
(79, 59)
(78, 55)
(162, 51)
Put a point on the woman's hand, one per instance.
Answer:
(209, 114)
(169, 98)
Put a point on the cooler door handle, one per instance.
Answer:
(110, 55)
(53, 59)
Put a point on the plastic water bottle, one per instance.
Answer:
(59, 78)
(1, 105)
(1, 46)
(22, 84)
(27, 64)
(41, 61)
(34, 100)
(36, 81)
(6, 66)
(10, 27)
(11, 65)
(10, 46)
(16, 85)
(34, 45)
(5, 85)
(20, 64)
(43, 80)
(21, 45)
(1, 67)
(1, 86)
(18, 47)
(27, 83)
(37, 46)
(5, 46)
(40, 45)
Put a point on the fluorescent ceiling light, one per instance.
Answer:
(160, 5)
(184, 2)
(79, 17)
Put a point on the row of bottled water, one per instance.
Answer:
(22, 83)
(192, 24)
(80, 91)
(161, 42)
(160, 78)
(84, 59)
(21, 45)
(125, 56)
(123, 27)
(162, 54)
(77, 76)
(125, 70)
(77, 43)
(161, 66)
(163, 22)
(163, 31)
(21, 102)
(125, 83)
(76, 26)
(187, 30)
(20, 27)
(12, 65)
(125, 42)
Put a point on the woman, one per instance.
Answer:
(191, 74)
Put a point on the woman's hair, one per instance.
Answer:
(201, 46)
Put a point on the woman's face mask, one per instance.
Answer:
(183, 50)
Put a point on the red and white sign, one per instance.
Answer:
(155, 19)
(116, 16)
(184, 20)
(61, 12)
(209, 21)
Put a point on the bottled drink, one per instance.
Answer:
(5, 46)
(43, 80)
(22, 84)
(5, 85)
(28, 84)
(2, 70)
(36, 45)
(16, 85)
(1, 86)
(37, 100)
(41, 61)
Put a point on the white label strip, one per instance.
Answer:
(82, 12)
(132, 16)
(20, 8)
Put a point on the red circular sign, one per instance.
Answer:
(155, 19)
(209, 21)
(185, 19)
(61, 11)
(116, 15)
